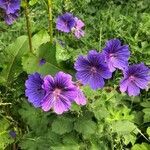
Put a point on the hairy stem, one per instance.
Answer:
(50, 20)
(28, 26)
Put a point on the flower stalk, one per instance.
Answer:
(28, 24)
(50, 20)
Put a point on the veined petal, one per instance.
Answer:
(48, 84)
(48, 101)
(81, 64)
(84, 76)
(80, 99)
(124, 85)
(96, 81)
(133, 90)
(61, 105)
(141, 83)
(63, 80)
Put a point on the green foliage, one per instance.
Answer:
(110, 120)
(13, 59)
(62, 125)
(31, 62)
(143, 146)
(146, 111)
(5, 138)
(85, 126)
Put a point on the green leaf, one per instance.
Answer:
(146, 111)
(85, 126)
(5, 139)
(148, 131)
(32, 142)
(33, 2)
(61, 53)
(65, 147)
(123, 127)
(146, 115)
(31, 63)
(13, 65)
(40, 38)
(143, 146)
(34, 117)
(62, 125)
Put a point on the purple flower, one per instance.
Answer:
(10, 18)
(65, 22)
(78, 32)
(116, 55)
(92, 70)
(136, 77)
(60, 92)
(12, 134)
(42, 62)
(34, 90)
(80, 99)
(10, 6)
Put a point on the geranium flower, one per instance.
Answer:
(42, 61)
(78, 28)
(65, 22)
(10, 10)
(10, 6)
(60, 92)
(116, 55)
(80, 98)
(92, 69)
(11, 18)
(136, 77)
(34, 90)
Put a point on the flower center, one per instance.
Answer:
(131, 78)
(93, 70)
(112, 55)
(56, 92)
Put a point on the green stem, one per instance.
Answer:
(28, 25)
(50, 20)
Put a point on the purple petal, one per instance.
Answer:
(142, 83)
(133, 90)
(119, 63)
(96, 81)
(79, 33)
(124, 85)
(11, 18)
(63, 80)
(111, 67)
(105, 73)
(34, 90)
(65, 22)
(61, 105)
(81, 64)
(84, 76)
(47, 102)
(80, 99)
(48, 84)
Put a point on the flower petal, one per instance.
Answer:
(124, 85)
(96, 81)
(61, 105)
(48, 84)
(81, 63)
(63, 80)
(133, 90)
(84, 76)
(141, 83)
(80, 99)
(47, 102)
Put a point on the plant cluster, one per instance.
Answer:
(58, 71)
